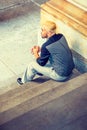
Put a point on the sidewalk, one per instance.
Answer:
(17, 36)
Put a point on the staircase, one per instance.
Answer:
(43, 104)
(27, 98)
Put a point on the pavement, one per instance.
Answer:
(17, 36)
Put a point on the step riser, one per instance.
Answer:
(19, 95)
(23, 96)
(43, 97)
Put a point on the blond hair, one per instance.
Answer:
(49, 26)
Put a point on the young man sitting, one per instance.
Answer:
(54, 58)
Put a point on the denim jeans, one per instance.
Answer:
(47, 70)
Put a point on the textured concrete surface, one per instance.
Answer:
(67, 112)
(17, 36)
(10, 3)
(62, 108)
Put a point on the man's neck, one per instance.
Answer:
(50, 35)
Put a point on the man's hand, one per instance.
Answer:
(35, 51)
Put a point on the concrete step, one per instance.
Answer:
(38, 80)
(66, 112)
(32, 95)
(12, 3)
(20, 95)
(17, 92)
(19, 8)
(13, 8)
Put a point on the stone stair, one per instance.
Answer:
(17, 100)
(14, 8)
(20, 100)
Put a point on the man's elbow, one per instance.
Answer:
(41, 63)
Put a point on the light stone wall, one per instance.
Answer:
(80, 3)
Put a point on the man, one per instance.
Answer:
(53, 59)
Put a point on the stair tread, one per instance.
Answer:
(27, 91)
(29, 85)
(43, 97)
(22, 88)
(23, 95)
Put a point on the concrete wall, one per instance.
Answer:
(80, 3)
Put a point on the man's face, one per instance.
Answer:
(44, 33)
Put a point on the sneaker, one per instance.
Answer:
(39, 74)
(19, 80)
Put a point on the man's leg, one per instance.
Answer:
(35, 68)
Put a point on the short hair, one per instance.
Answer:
(49, 26)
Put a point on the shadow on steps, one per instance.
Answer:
(62, 107)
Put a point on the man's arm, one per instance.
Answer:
(41, 58)
(44, 56)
